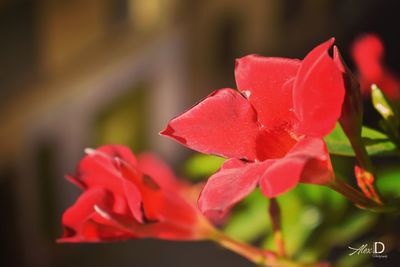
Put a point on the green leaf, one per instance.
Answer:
(250, 220)
(200, 166)
(376, 142)
(338, 143)
(325, 198)
(388, 180)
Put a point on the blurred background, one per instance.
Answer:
(77, 74)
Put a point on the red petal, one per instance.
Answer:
(119, 151)
(268, 81)
(80, 220)
(163, 175)
(101, 169)
(223, 124)
(148, 206)
(318, 92)
(134, 199)
(170, 231)
(230, 184)
(173, 228)
(160, 204)
(274, 143)
(318, 169)
(176, 210)
(119, 202)
(76, 181)
(308, 162)
(154, 167)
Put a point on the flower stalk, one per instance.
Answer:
(354, 195)
(257, 256)
(365, 172)
(275, 214)
(351, 121)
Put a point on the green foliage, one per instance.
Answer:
(250, 219)
(315, 220)
(388, 180)
(201, 166)
(298, 222)
(376, 142)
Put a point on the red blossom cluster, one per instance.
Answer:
(271, 132)
(271, 129)
(127, 197)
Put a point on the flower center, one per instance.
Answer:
(276, 142)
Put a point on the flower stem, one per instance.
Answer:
(353, 195)
(275, 214)
(365, 175)
(256, 255)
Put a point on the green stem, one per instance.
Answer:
(275, 214)
(364, 160)
(361, 154)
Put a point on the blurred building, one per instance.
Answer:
(84, 73)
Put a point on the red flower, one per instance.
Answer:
(271, 130)
(368, 54)
(124, 197)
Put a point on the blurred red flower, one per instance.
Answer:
(124, 197)
(368, 54)
(271, 130)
